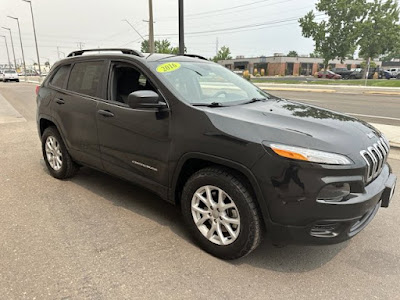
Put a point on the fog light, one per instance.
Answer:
(334, 192)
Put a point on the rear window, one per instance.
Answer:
(9, 72)
(60, 76)
(85, 77)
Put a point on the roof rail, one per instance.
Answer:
(124, 51)
(195, 56)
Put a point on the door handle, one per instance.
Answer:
(105, 113)
(60, 101)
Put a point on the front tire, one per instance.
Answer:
(55, 154)
(221, 214)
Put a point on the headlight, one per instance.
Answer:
(310, 155)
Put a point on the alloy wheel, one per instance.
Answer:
(215, 215)
(53, 153)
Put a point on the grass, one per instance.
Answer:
(359, 82)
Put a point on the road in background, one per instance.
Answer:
(382, 109)
(98, 237)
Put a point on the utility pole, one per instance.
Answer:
(12, 46)
(151, 28)
(80, 45)
(34, 33)
(181, 29)
(216, 47)
(20, 39)
(58, 52)
(8, 54)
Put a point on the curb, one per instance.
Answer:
(394, 145)
(382, 93)
(299, 90)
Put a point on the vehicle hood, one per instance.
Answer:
(293, 123)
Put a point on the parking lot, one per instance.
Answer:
(98, 237)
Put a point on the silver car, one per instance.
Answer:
(10, 75)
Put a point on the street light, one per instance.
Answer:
(12, 46)
(34, 33)
(8, 54)
(20, 39)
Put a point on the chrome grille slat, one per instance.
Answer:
(375, 156)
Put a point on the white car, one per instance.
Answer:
(10, 75)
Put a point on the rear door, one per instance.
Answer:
(74, 109)
(134, 143)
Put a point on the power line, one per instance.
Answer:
(225, 9)
(239, 27)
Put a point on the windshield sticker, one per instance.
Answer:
(168, 67)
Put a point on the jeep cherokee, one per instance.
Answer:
(238, 161)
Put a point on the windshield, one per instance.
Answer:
(9, 72)
(206, 83)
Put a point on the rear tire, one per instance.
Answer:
(55, 154)
(228, 221)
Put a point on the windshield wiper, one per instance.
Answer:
(255, 100)
(212, 104)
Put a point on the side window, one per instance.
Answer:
(60, 76)
(85, 77)
(125, 80)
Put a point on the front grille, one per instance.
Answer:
(375, 157)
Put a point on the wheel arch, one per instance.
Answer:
(46, 121)
(192, 162)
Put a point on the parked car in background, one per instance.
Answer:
(383, 74)
(329, 74)
(359, 73)
(395, 72)
(29, 73)
(345, 73)
(10, 75)
(238, 72)
(1, 75)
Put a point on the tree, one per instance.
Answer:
(315, 54)
(292, 54)
(379, 32)
(160, 46)
(223, 54)
(334, 37)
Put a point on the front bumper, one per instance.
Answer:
(296, 217)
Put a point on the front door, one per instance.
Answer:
(134, 143)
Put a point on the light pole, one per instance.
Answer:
(34, 33)
(8, 54)
(151, 29)
(20, 39)
(12, 47)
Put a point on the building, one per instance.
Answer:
(284, 65)
(386, 65)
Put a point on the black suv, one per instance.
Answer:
(237, 160)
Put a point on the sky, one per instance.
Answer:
(248, 27)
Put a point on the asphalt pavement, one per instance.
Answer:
(98, 237)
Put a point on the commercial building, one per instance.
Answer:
(284, 65)
(386, 65)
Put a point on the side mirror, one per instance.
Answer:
(145, 99)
